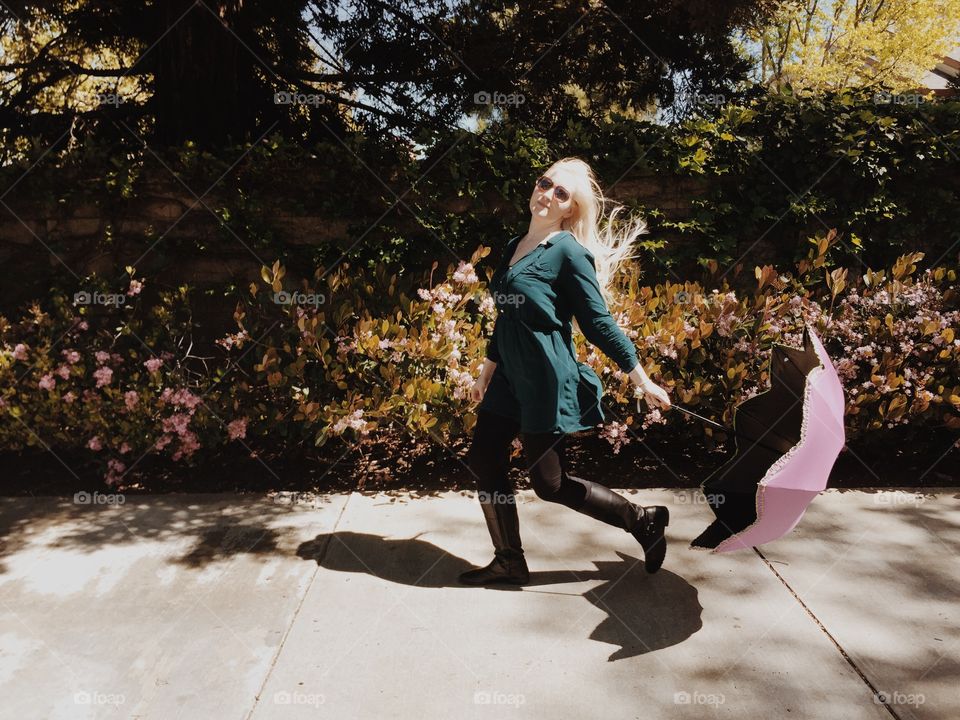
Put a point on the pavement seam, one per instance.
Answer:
(296, 612)
(877, 695)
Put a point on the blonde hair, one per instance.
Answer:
(608, 244)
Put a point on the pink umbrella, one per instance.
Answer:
(788, 438)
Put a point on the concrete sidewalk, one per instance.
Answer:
(237, 607)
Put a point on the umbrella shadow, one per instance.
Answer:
(644, 612)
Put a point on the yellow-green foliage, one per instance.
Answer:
(353, 357)
(830, 46)
(370, 357)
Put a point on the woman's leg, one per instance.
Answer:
(489, 461)
(546, 463)
(489, 455)
(551, 482)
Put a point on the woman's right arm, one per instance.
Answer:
(493, 354)
(479, 388)
(493, 349)
(489, 366)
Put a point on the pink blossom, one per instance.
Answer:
(654, 417)
(464, 273)
(617, 434)
(102, 356)
(188, 445)
(63, 371)
(237, 428)
(181, 397)
(47, 382)
(94, 443)
(354, 420)
(345, 347)
(135, 287)
(20, 352)
(153, 364)
(131, 398)
(176, 423)
(463, 381)
(71, 356)
(229, 341)
(103, 375)
(69, 397)
(115, 470)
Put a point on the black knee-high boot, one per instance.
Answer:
(646, 524)
(508, 564)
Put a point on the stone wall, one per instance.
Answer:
(165, 219)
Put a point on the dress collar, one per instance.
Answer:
(528, 258)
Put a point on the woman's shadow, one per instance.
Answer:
(644, 612)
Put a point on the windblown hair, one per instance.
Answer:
(608, 241)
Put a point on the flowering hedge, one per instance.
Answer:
(351, 356)
(100, 372)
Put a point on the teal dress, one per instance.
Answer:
(538, 380)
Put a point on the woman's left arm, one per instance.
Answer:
(578, 283)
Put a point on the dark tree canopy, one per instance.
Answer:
(210, 70)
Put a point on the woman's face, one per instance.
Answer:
(553, 204)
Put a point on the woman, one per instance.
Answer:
(531, 382)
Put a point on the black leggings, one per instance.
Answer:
(489, 460)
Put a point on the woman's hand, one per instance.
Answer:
(655, 395)
(479, 388)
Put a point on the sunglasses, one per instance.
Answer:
(544, 183)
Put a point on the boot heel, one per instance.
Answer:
(651, 536)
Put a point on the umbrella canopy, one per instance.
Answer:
(787, 438)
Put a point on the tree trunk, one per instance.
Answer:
(206, 86)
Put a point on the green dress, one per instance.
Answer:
(538, 380)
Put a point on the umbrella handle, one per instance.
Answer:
(709, 422)
(716, 425)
